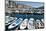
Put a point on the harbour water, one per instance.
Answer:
(35, 16)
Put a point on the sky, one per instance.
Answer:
(33, 3)
(30, 0)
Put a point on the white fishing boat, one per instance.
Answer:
(30, 23)
(9, 19)
(15, 23)
(24, 24)
(38, 23)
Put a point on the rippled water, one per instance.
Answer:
(29, 16)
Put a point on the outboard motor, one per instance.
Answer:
(15, 23)
(24, 24)
(31, 23)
